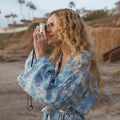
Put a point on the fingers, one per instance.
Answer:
(44, 33)
(36, 36)
(37, 29)
(39, 35)
(39, 42)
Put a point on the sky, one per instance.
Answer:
(44, 6)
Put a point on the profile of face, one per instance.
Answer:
(52, 31)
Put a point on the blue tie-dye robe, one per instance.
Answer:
(67, 96)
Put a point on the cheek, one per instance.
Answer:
(56, 39)
(56, 36)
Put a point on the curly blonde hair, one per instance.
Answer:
(72, 29)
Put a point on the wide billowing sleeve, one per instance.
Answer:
(60, 91)
(29, 60)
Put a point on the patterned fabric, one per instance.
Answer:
(67, 96)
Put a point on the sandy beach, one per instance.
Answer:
(13, 99)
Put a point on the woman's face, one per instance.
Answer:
(52, 31)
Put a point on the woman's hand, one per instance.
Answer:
(40, 42)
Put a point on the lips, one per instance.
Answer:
(50, 36)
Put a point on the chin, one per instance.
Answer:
(50, 43)
(54, 42)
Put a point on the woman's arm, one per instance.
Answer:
(44, 86)
(29, 60)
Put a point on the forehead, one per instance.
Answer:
(51, 19)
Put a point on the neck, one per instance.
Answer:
(66, 52)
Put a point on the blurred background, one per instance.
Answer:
(18, 18)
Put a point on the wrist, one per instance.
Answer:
(39, 55)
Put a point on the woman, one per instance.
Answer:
(70, 89)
